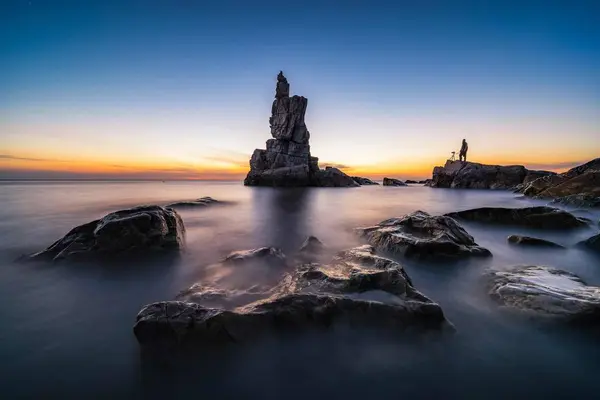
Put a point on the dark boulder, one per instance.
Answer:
(531, 241)
(422, 235)
(531, 217)
(332, 177)
(136, 230)
(592, 243)
(393, 182)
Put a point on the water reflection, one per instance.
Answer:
(282, 216)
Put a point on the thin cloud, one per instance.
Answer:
(11, 157)
(336, 165)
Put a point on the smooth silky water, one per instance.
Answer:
(66, 330)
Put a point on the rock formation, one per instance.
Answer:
(546, 292)
(592, 243)
(137, 230)
(356, 287)
(531, 241)
(201, 202)
(530, 217)
(470, 175)
(421, 235)
(393, 182)
(364, 181)
(287, 160)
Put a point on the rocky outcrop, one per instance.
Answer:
(410, 181)
(530, 217)
(364, 181)
(356, 287)
(469, 175)
(393, 182)
(201, 202)
(136, 230)
(546, 292)
(592, 243)
(424, 236)
(578, 187)
(287, 160)
(531, 241)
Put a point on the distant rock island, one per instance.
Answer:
(287, 160)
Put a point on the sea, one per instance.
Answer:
(66, 331)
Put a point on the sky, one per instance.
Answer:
(183, 89)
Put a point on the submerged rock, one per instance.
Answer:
(287, 160)
(546, 292)
(531, 241)
(364, 181)
(592, 243)
(263, 255)
(410, 181)
(133, 231)
(393, 182)
(201, 202)
(312, 244)
(531, 217)
(578, 200)
(422, 235)
(357, 287)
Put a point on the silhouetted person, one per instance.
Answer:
(462, 156)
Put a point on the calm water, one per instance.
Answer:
(67, 332)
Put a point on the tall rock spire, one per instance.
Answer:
(287, 160)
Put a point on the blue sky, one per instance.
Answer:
(392, 86)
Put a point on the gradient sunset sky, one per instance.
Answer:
(183, 89)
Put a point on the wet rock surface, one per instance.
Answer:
(357, 287)
(422, 235)
(287, 159)
(546, 292)
(531, 217)
(127, 232)
(531, 241)
(393, 182)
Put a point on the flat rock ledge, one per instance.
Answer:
(530, 217)
(357, 287)
(201, 202)
(132, 231)
(422, 235)
(546, 292)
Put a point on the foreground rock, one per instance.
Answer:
(393, 182)
(201, 202)
(579, 187)
(530, 217)
(364, 181)
(136, 230)
(592, 243)
(531, 241)
(287, 160)
(422, 235)
(546, 292)
(357, 287)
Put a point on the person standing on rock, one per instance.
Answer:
(462, 156)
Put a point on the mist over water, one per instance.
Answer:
(67, 329)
